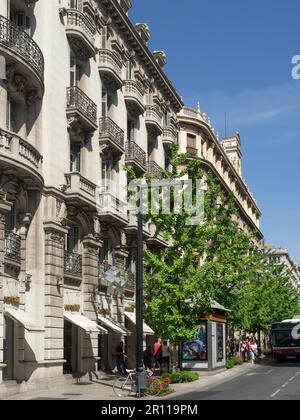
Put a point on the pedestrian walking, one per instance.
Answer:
(157, 353)
(147, 357)
(121, 359)
(166, 355)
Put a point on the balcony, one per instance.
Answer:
(73, 264)
(154, 169)
(136, 157)
(79, 190)
(12, 247)
(81, 32)
(19, 156)
(81, 110)
(110, 68)
(156, 239)
(154, 120)
(23, 54)
(111, 209)
(169, 135)
(111, 136)
(134, 97)
(192, 152)
(131, 228)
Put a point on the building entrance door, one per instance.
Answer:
(103, 351)
(70, 348)
(8, 349)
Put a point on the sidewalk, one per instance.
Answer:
(102, 388)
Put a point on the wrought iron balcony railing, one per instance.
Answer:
(135, 154)
(20, 43)
(78, 100)
(108, 129)
(73, 263)
(12, 246)
(192, 152)
(154, 169)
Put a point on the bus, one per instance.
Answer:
(285, 339)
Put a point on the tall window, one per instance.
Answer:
(149, 97)
(75, 157)
(104, 37)
(167, 119)
(11, 220)
(130, 130)
(104, 103)
(191, 141)
(76, 4)
(107, 253)
(11, 109)
(129, 70)
(75, 71)
(72, 243)
(20, 19)
(106, 175)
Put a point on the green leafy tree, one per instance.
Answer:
(215, 260)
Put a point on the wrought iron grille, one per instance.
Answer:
(19, 42)
(77, 99)
(109, 128)
(134, 152)
(12, 246)
(73, 263)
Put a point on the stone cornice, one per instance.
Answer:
(125, 25)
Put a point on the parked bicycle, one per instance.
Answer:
(125, 386)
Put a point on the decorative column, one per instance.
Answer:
(55, 235)
(90, 270)
(5, 207)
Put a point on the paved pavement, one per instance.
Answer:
(270, 381)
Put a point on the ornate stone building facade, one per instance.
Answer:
(222, 158)
(83, 96)
(279, 255)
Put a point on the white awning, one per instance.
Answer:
(146, 329)
(22, 318)
(84, 323)
(113, 325)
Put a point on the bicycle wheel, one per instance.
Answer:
(123, 386)
(154, 386)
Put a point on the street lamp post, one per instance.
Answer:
(140, 373)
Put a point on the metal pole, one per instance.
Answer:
(139, 295)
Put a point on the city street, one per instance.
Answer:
(267, 382)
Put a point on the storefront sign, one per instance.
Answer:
(14, 300)
(103, 311)
(72, 308)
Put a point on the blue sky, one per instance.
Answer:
(235, 57)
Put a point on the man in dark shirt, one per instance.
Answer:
(121, 364)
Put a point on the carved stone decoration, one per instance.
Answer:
(77, 131)
(57, 237)
(61, 212)
(31, 96)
